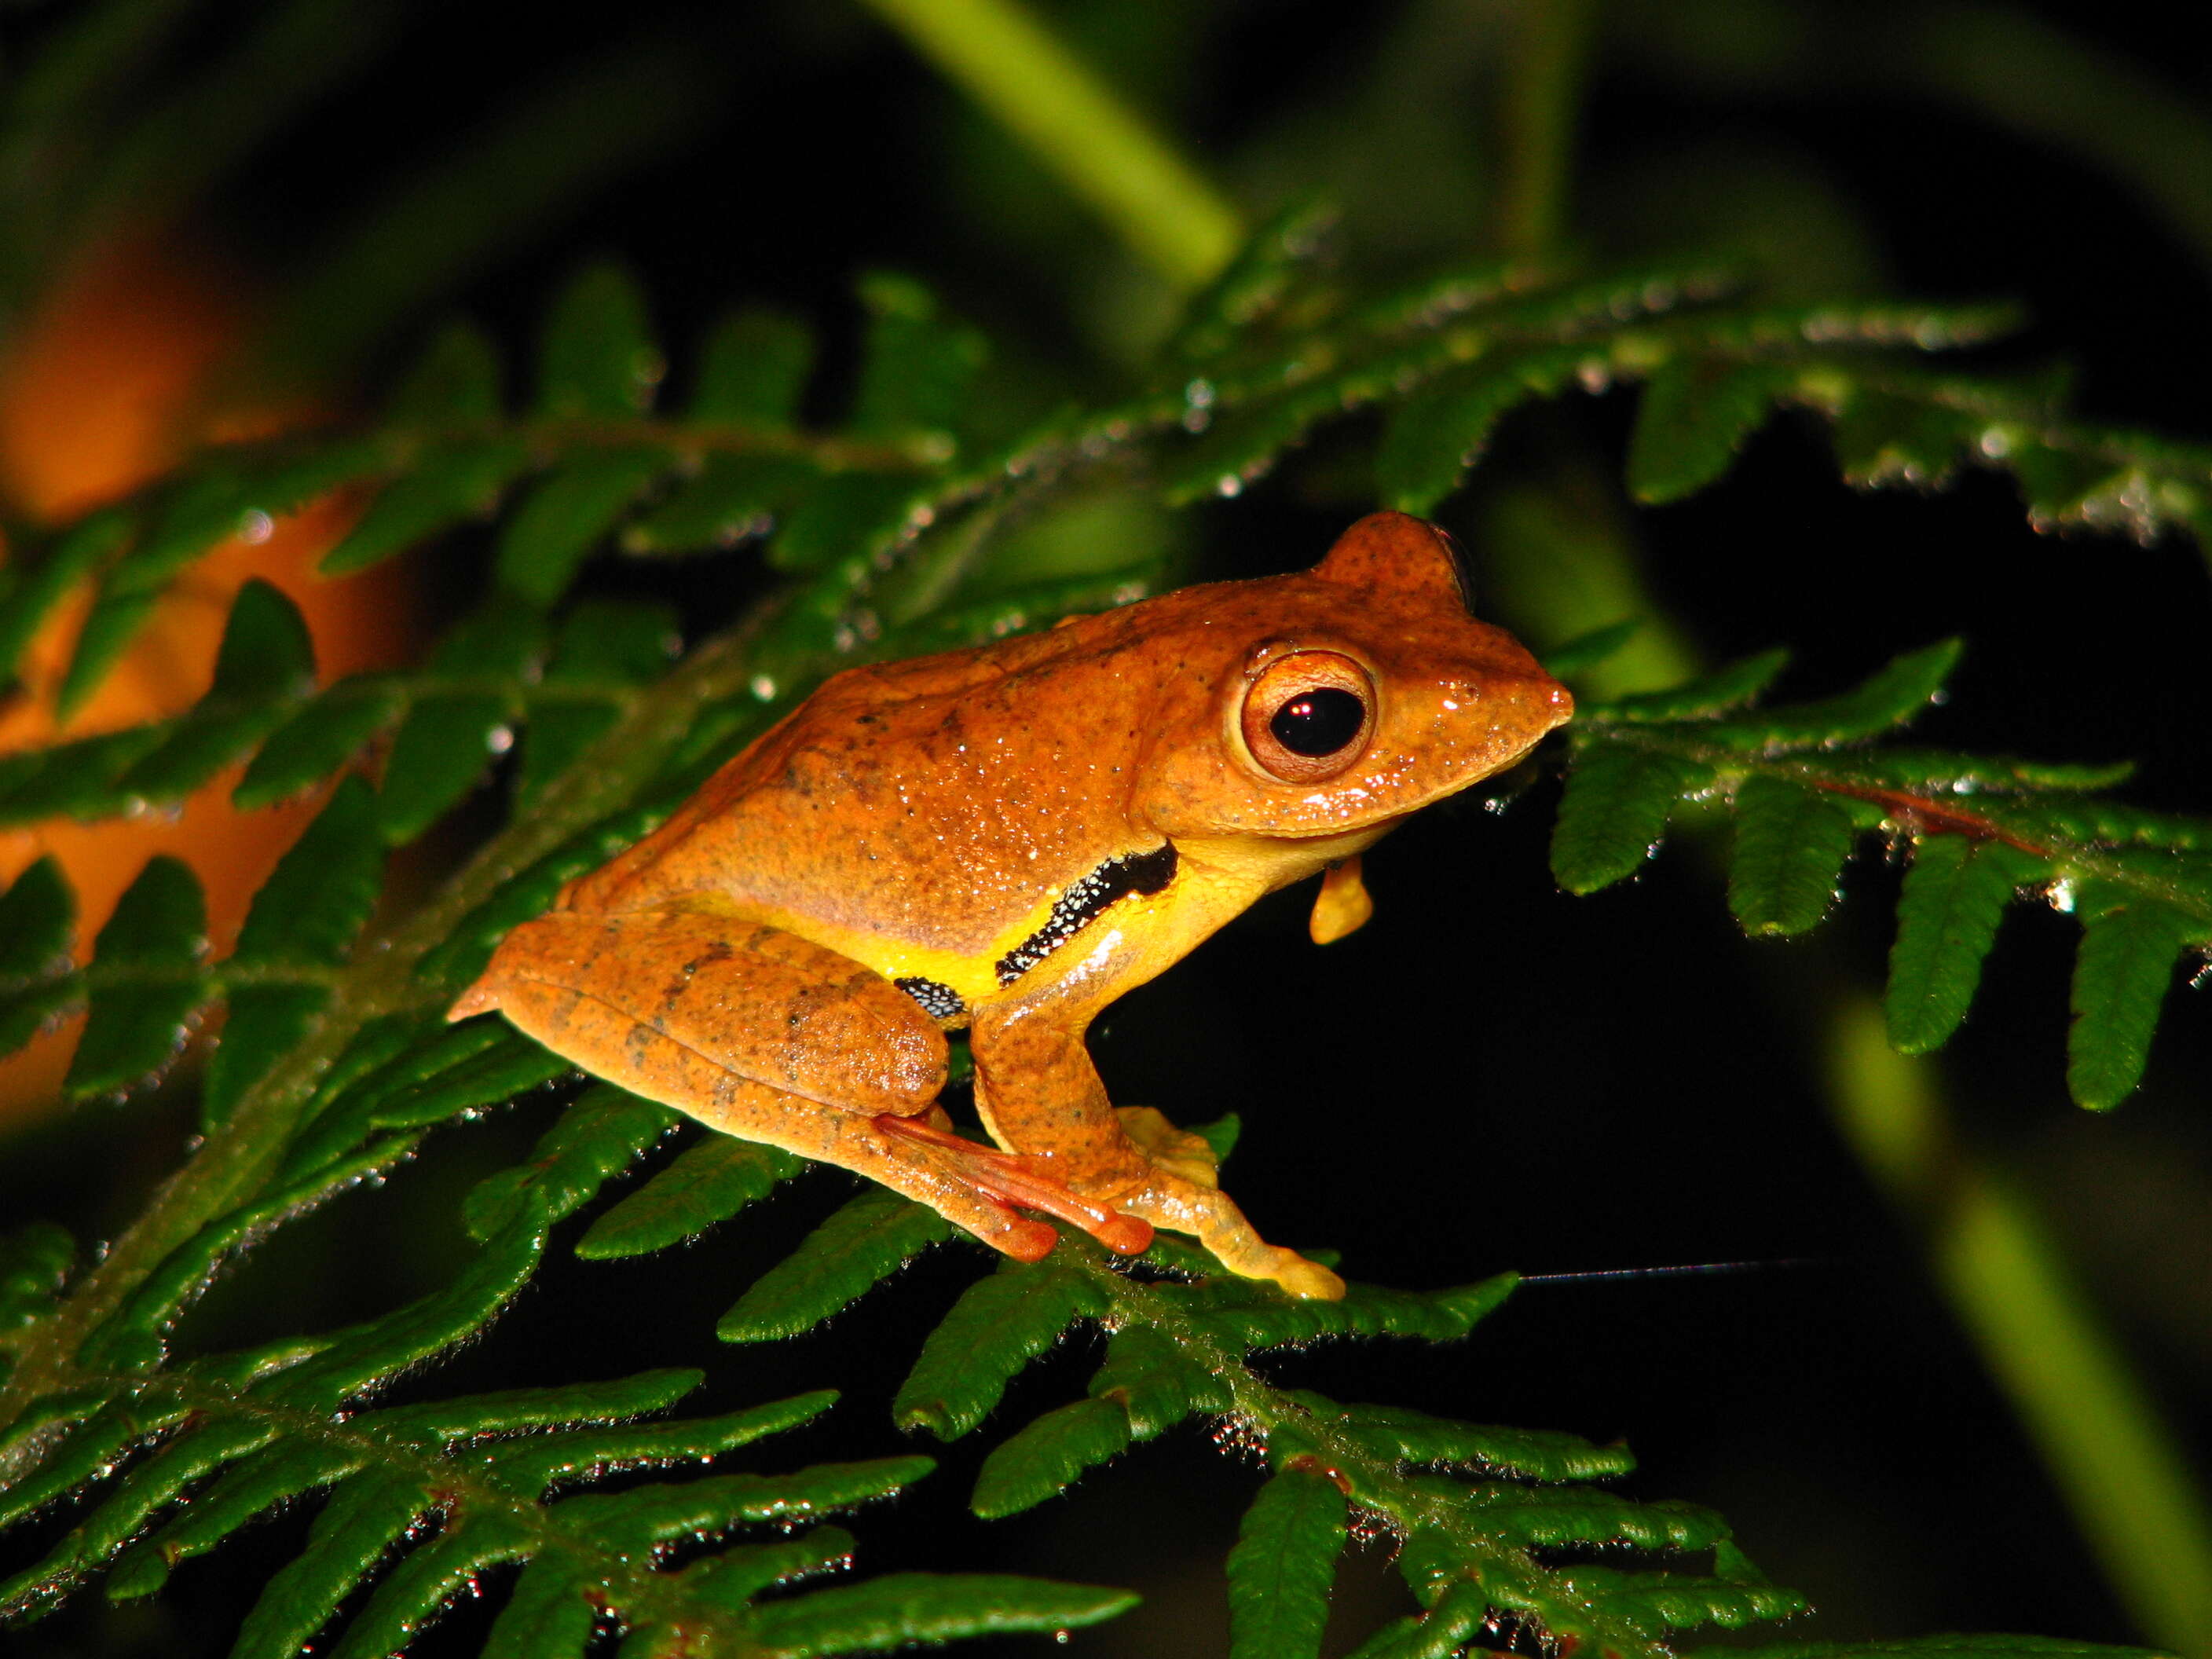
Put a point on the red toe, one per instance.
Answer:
(1125, 1234)
(1013, 1180)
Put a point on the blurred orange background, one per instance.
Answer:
(107, 388)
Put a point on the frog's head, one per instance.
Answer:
(1338, 699)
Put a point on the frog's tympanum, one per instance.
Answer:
(1006, 839)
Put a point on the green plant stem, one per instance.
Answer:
(2100, 1435)
(1101, 149)
(1538, 112)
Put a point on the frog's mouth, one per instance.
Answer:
(1360, 837)
(1472, 770)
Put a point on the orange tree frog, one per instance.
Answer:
(1006, 839)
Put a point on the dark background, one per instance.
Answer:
(1492, 1074)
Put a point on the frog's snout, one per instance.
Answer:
(1531, 701)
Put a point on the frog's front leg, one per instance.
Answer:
(1039, 1094)
(772, 1038)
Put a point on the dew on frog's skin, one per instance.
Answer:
(2060, 895)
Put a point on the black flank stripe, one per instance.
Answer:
(939, 1001)
(1085, 903)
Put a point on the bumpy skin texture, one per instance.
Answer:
(1006, 839)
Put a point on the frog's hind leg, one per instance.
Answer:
(1040, 1094)
(772, 1038)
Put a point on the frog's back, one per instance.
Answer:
(927, 802)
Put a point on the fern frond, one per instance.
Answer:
(1177, 1348)
(239, 1435)
(1451, 359)
(486, 1476)
(1178, 1345)
(1980, 829)
(1179, 1340)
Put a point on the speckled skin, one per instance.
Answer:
(919, 821)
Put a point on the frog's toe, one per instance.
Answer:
(1250, 1259)
(1024, 1239)
(1013, 1182)
(1214, 1220)
(1302, 1278)
(1124, 1235)
(1175, 1150)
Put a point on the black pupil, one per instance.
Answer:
(1318, 722)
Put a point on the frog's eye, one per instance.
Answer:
(1309, 715)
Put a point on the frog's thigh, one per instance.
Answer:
(754, 1031)
(1040, 1094)
(653, 995)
